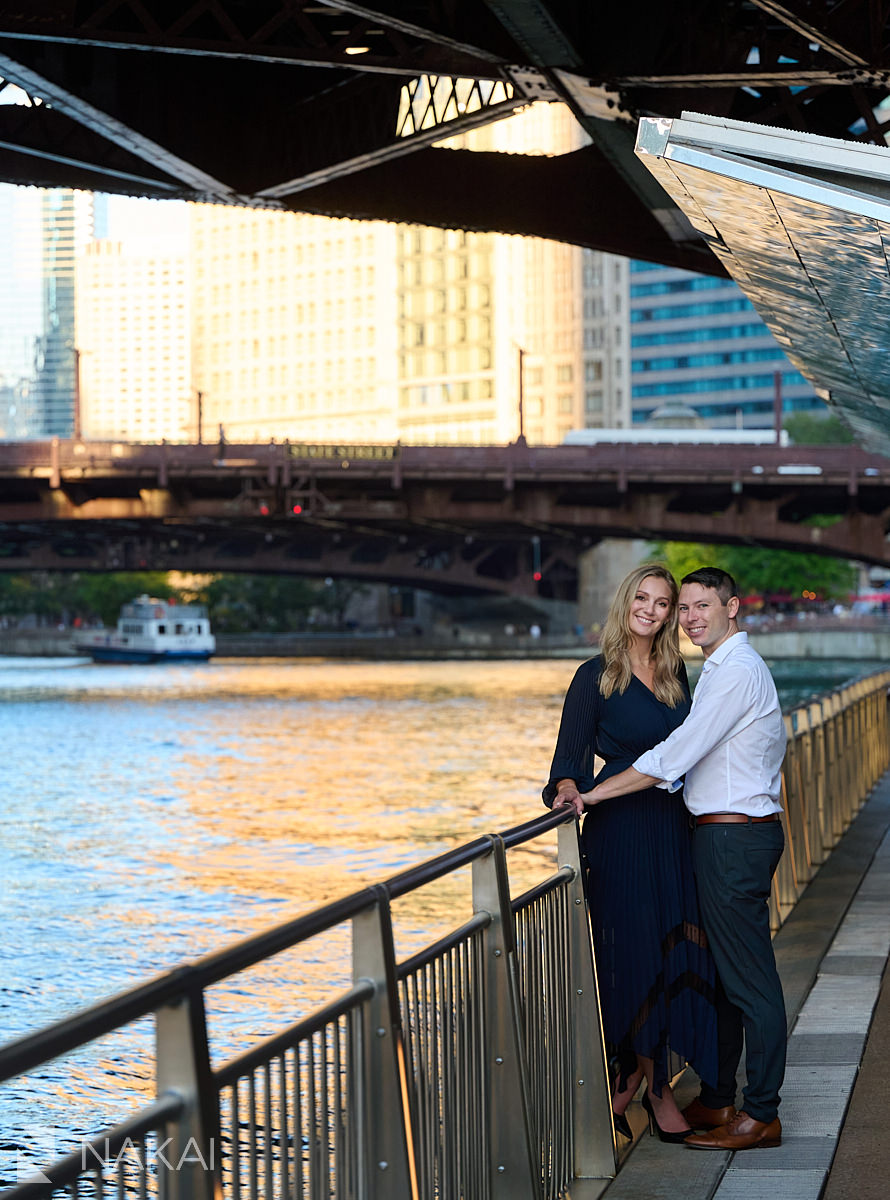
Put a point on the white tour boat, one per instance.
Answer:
(150, 630)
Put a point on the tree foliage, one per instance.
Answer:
(764, 572)
(236, 603)
(806, 429)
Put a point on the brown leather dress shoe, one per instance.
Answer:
(700, 1116)
(741, 1133)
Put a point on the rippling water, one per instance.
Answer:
(156, 813)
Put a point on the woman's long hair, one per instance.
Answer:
(617, 639)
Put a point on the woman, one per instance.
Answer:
(656, 976)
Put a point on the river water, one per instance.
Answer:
(157, 813)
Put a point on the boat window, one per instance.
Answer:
(179, 627)
(162, 628)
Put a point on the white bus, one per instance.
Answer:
(679, 437)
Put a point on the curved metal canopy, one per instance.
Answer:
(802, 223)
(335, 107)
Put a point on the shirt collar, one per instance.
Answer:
(724, 649)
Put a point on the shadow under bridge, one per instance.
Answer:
(510, 518)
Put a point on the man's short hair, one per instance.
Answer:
(713, 577)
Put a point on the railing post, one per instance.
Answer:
(387, 1158)
(189, 1160)
(515, 1167)
(593, 1137)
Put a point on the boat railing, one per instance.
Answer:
(473, 1067)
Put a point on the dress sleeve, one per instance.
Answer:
(576, 740)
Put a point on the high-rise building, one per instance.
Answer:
(293, 325)
(697, 342)
(487, 320)
(133, 341)
(317, 329)
(66, 226)
(21, 304)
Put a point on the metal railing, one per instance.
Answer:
(838, 747)
(472, 1070)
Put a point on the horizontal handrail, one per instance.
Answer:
(435, 868)
(108, 1145)
(529, 830)
(562, 876)
(22, 1055)
(476, 924)
(351, 999)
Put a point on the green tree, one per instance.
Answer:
(759, 570)
(259, 603)
(93, 595)
(805, 429)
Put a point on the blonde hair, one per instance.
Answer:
(617, 639)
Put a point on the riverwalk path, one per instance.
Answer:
(832, 953)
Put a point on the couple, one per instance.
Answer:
(676, 890)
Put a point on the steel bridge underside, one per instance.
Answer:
(339, 108)
(457, 519)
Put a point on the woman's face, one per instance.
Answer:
(650, 607)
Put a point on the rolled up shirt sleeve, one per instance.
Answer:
(721, 706)
(651, 763)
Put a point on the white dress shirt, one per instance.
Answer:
(732, 744)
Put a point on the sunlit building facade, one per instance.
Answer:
(133, 342)
(502, 335)
(314, 329)
(293, 330)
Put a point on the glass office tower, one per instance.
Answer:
(66, 225)
(21, 306)
(697, 342)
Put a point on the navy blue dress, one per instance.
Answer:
(655, 972)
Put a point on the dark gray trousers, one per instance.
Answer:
(734, 867)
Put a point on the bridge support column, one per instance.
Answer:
(600, 570)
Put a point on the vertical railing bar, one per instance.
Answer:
(236, 1140)
(451, 1068)
(325, 1094)
(312, 1119)
(283, 1129)
(252, 1171)
(336, 1102)
(299, 1122)
(143, 1173)
(267, 1131)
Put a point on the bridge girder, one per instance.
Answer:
(445, 519)
(307, 104)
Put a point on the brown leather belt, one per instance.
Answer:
(731, 819)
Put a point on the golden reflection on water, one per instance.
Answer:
(274, 787)
(328, 777)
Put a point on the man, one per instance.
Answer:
(730, 748)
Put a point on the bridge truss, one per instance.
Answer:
(339, 107)
(447, 519)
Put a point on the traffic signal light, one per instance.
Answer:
(536, 559)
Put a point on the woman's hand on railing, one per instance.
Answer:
(568, 796)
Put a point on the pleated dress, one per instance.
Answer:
(654, 969)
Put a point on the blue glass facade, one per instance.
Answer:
(730, 382)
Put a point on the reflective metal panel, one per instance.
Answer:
(802, 223)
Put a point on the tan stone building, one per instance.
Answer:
(133, 342)
(315, 329)
(293, 331)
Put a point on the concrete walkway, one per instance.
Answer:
(831, 952)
